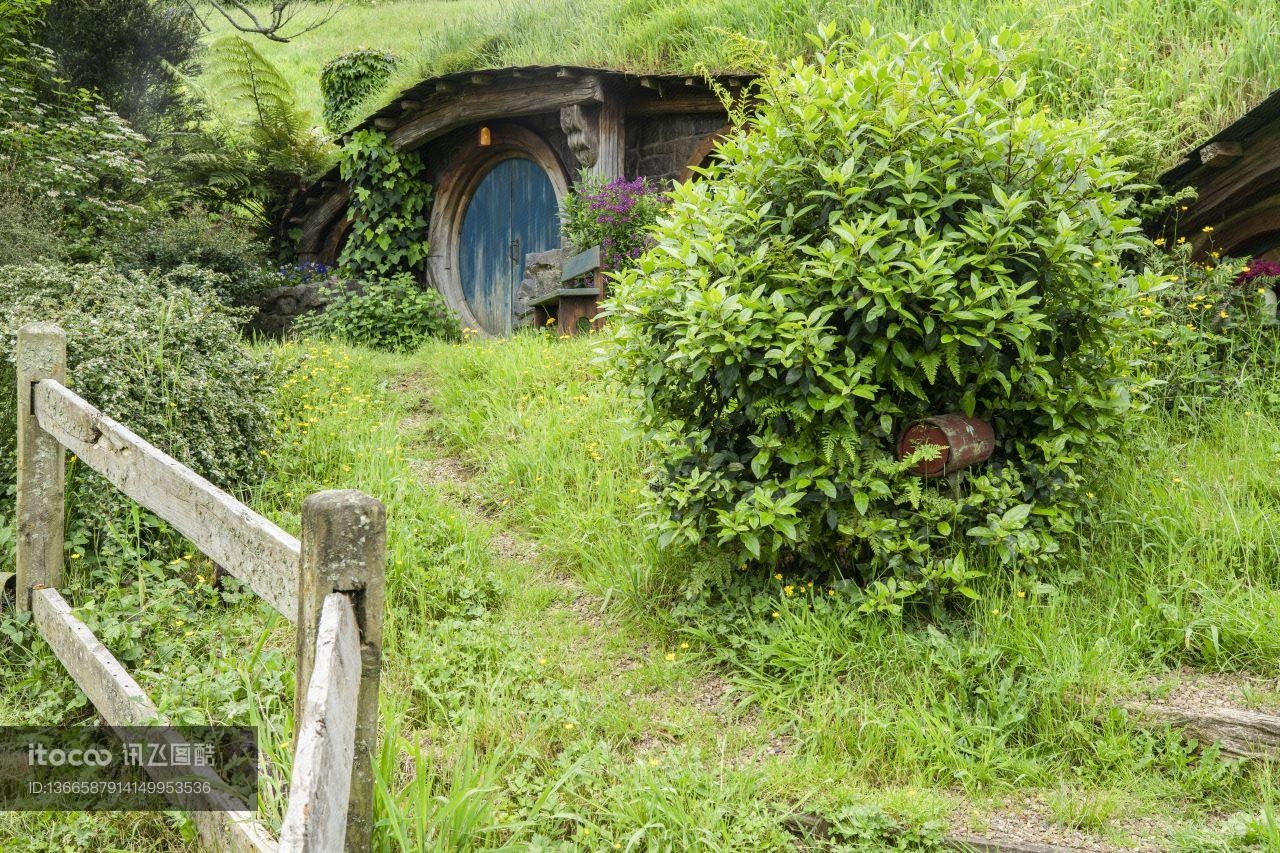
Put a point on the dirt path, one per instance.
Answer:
(604, 657)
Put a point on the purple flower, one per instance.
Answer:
(1259, 268)
(616, 215)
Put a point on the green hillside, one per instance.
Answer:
(1174, 70)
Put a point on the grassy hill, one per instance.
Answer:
(404, 27)
(1172, 70)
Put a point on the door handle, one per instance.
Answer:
(515, 250)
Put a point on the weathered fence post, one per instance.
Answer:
(344, 541)
(42, 354)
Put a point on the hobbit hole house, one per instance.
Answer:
(502, 149)
(1236, 178)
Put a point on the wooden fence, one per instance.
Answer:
(330, 583)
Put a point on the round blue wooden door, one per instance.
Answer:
(512, 213)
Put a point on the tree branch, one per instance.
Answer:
(276, 27)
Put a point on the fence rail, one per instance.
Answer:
(330, 583)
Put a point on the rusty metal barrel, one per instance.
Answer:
(964, 441)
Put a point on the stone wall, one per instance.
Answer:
(660, 147)
(541, 276)
(280, 306)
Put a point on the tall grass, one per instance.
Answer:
(1172, 70)
(522, 709)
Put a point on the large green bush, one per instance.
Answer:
(348, 79)
(165, 360)
(901, 233)
(395, 314)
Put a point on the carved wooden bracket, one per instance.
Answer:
(581, 124)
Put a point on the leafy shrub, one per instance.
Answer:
(867, 827)
(388, 211)
(394, 314)
(197, 237)
(30, 229)
(902, 233)
(347, 79)
(616, 216)
(166, 361)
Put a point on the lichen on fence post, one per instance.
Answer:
(344, 541)
(42, 354)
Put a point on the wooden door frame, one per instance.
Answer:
(469, 168)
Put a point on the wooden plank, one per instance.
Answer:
(646, 102)
(506, 98)
(556, 295)
(581, 264)
(611, 136)
(228, 532)
(317, 219)
(122, 703)
(344, 543)
(1240, 733)
(320, 785)
(1246, 180)
(42, 354)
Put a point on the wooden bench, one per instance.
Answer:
(573, 309)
